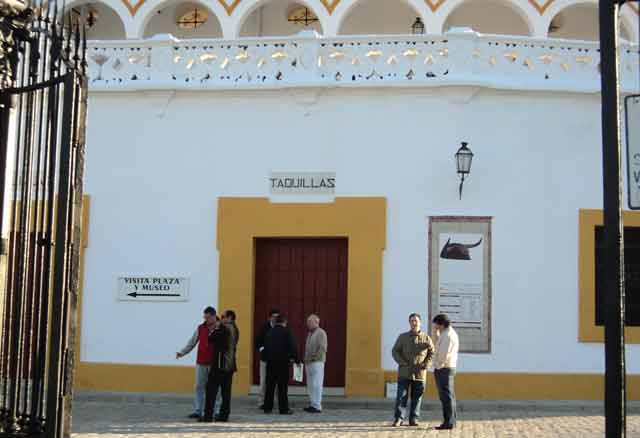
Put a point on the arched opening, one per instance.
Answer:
(183, 20)
(489, 16)
(280, 18)
(379, 17)
(580, 22)
(101, 22)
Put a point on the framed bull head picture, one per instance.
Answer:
(459, 265)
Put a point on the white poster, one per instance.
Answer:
(461, 279)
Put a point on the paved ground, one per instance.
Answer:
(151, 418)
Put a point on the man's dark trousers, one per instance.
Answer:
(407, 387)
(277, 375)
(218, 381)
(444, 381)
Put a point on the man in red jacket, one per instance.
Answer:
(204, 358)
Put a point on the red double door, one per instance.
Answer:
(300, 277)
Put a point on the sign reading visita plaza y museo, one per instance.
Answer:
(632, 109)
(135, 288)
(322, 183)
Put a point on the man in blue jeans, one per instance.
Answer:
(412, 351)
(444, 364)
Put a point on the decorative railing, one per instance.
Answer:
(457, 58)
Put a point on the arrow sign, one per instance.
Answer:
(152, 288)
(136, 294)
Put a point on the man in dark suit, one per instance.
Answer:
(224, 339)
(260, 338)
(280, 350)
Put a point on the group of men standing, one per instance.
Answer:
(217, 340)
(414, 352)
(277, 347)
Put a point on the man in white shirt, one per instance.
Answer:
(315, 355)
(444, 364)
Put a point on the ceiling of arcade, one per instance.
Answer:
(230, 5)
(232, 14)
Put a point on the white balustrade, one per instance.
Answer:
(460, 57)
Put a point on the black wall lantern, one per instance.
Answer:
(417, 28)
(464, 156)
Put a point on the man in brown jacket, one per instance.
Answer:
(413, 352)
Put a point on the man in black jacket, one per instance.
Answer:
(280, 350)
(224, 339)
(260, 338)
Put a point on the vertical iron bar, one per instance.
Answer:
(54, 397)
(75, 232)
(613, 278)
(35, 425)
(15, 255)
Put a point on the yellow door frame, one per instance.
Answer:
(361, 220)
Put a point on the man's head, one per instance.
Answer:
(209, 315)
(229, 316)
(415, 321)
(441, 322)
(313, 321)
(281, 320)
(273, 314)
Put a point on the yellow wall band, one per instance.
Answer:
(469, 386)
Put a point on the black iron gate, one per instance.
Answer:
(42, 121)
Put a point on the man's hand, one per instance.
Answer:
(179, 355)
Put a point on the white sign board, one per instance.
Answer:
(134, 288)
(632, 110)
(319, 183)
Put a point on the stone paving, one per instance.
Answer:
(163, 419)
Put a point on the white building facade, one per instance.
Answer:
(193, 133)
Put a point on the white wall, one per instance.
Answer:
(580, 22)
(156, 165)
(165, 18)
(108, 25)
(376, 17)
(271, 19)
(488, 16)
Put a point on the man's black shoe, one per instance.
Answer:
(205, 420)
(413, 423)
(221, 419)
(289, 412)
(194, 415)
(267, 411)
(261, 407)
(312, 410)
(444, 427)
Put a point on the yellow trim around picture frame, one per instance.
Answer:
(588, 331)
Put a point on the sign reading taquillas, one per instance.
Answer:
(323, 183)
